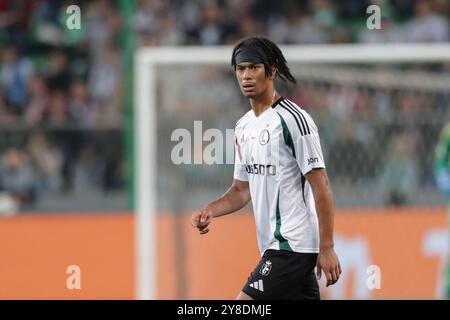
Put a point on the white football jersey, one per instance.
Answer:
(274, 152)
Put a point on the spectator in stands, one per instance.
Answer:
(46, 160)
(427, 25)
(352, 154)
(295, 26)
(103, 26)
(57, 72)
(211, 29)
(105, 84)
(399, 177)
(7, 114)
(82, 110)
(37, 102)
(15, 72)
(88, 171)
(57, 114)
(16, 176)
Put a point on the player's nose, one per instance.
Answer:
(246, 74)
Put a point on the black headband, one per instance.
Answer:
(250, 54)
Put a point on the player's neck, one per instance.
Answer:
(263, 102)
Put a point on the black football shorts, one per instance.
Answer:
(284, 275)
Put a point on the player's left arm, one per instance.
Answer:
(308, 153)
(327, 261)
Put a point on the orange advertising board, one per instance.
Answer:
(385, 254)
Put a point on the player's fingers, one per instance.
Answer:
(195, 220)
(338, 272)
(328, 276)
(319, 271)
(340, 269)
(203, 231)
(208, 218)
(203, 224)
(334, 276)
(204, 221)
(203, 216)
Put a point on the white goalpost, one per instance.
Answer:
(146, 62)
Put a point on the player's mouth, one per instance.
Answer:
(248, 87)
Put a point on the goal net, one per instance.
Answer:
(379, 110)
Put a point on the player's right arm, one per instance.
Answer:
(235, 198)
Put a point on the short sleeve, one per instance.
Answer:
(300, 130)
(309, 152)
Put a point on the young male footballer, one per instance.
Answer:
(279, 166)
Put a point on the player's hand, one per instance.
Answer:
(328, 263)
(201, 220)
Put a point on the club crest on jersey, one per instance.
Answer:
(264, 137)
(265, 269)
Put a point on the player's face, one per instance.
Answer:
(252, 78)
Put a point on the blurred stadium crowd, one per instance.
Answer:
(288, 22)
(63, 92)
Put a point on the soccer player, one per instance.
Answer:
(279, 166)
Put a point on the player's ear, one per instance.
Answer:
(273, 73)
